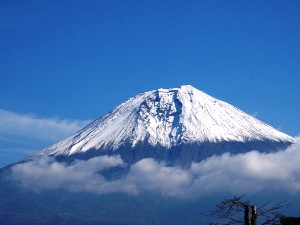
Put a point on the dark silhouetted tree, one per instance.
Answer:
(232, 209)
(288, 220)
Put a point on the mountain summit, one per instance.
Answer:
(154, 123)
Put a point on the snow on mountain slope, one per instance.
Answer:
(168, 118)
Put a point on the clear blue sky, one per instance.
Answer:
(64, 63)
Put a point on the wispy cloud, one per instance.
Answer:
(243, 173)
(23, 134)
(45, 173)
(31, 126)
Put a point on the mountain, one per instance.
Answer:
(178, 125)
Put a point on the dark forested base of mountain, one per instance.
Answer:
(19, 205)
(59, 207)
(23, 206)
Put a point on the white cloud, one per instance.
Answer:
(250, 172)
(28, 125)
(151, 176)
(45, 173)
(243, 173)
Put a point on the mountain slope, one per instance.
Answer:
(170, 118)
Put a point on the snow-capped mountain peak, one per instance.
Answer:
(168, 118)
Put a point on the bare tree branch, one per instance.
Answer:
(232, 208)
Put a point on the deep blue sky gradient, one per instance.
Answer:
(80, 59)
